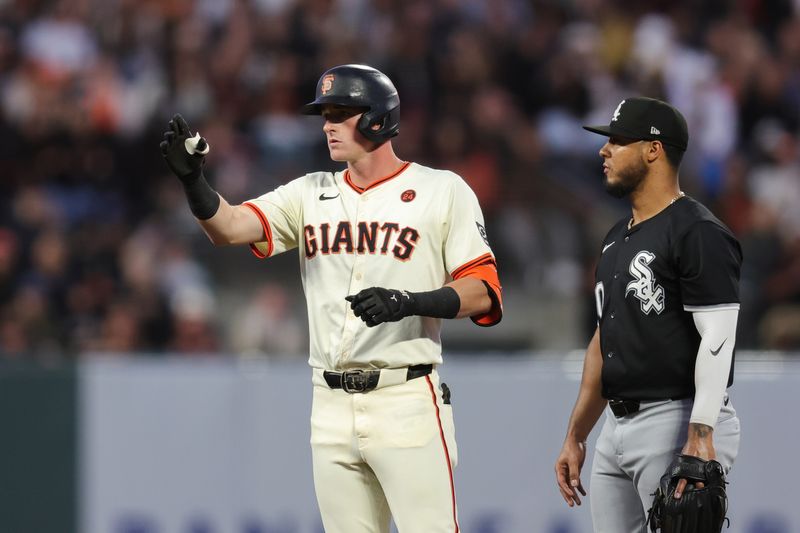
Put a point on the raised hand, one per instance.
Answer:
(183, 152)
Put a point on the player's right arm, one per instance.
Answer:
(222, 222)
(587, 410)
(233, 224)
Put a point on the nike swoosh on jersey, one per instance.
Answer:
(716, 352)
(607, 246)
(323, 197)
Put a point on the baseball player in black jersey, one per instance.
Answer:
(661, 358)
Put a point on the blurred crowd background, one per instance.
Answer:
(98, 249)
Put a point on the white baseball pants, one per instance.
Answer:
(387, 453)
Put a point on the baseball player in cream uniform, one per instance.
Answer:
(387, 249)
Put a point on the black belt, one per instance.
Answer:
(358, 380)
(622, 408)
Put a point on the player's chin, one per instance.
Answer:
(337, 154)
(616, 188)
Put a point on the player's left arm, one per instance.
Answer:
(473, 295)
(717, 328)
(475, 289)
(709, 260)
(377, 305)
(469, 259)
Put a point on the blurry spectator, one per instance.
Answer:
(59, 44)
(119, 332)
(775, 185)
(35, 324)
(267, 324)
(192, 310)
(9, 250)
(99, 253)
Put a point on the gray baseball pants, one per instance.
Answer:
(634, 451)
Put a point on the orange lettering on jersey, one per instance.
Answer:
(343, 238)
(311, 241)
(388, 228)
(405, 244)
(367, 237)
(326, 240)
(325, 236)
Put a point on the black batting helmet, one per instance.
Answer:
(361, 86)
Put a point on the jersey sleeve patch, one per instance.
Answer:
(262, 249)
(484, 268)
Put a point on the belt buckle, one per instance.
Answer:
(624, 407)
(354, 381)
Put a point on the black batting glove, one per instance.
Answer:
(377, 305)
(186, 165)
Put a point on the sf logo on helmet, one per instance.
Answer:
(327, 83)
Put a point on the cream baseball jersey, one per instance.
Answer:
(414, 230)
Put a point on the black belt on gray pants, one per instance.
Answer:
(358, 380)
(622, 408)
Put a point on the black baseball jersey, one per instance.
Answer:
(649, 279)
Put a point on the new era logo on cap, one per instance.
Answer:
(642, 118)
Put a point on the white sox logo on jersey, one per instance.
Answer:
(643, 287)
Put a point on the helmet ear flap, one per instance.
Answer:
(366, 123)
(389, 125)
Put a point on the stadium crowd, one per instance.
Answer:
(99, 252)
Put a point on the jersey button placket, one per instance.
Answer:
(357, 274)
(348, 338)
(352, 322)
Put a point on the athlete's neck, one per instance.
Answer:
(652, 197)
(377, 164)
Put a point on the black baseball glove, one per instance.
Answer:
(699, 510)
(377, 305)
